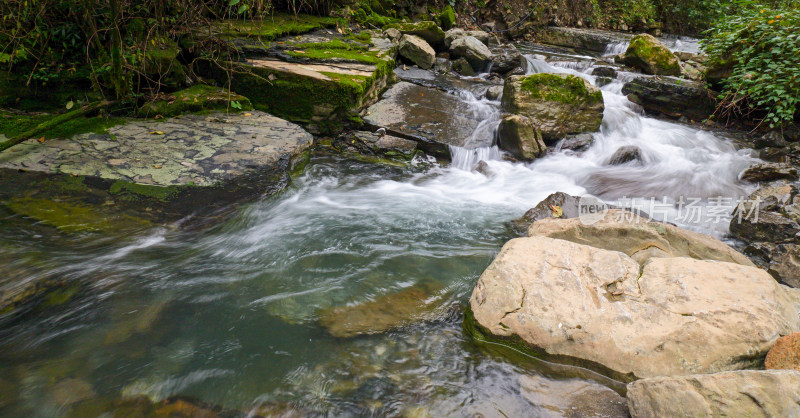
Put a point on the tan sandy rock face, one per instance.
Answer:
(669, 316)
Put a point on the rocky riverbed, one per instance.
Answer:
(351, 238)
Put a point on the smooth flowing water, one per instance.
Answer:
(230, 315)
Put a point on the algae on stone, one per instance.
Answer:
(72, 217)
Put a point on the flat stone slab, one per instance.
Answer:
(188, 150)
(411, 110)
(315, 70)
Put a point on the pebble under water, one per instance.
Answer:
(231, 315)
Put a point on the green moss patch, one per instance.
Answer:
(567, 89)
(12, 124)
(270, 29)
(135, 191)
(651, 56)
(447, 18)
(195, 99)
(71, 217)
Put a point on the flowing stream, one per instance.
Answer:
(230, 315)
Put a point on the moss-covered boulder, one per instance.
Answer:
(651, 56)
(195, 99)
(559, 104)
(447, 18)
(427, 30)
(162, 65)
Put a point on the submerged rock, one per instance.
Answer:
(520, 137)
(745, 393)
(416, 50)
(559, 104)
(70, 391)
(769, 172)
(571, 398)
(648, 54)
(386, 312)
(785, 354)
(671, 97)
(577, 143)
(670, 315)
(474, 51)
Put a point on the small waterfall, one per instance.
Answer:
(488, 113)
(616, 48)
(467, 158)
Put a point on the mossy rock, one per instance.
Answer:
(427, 30)
(72, 217)
(447, 18)
(13, 124)
(197, 98)
(559, 104)
(276, 26)
(651, 56)
(161, 63)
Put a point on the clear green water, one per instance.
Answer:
(229, 315)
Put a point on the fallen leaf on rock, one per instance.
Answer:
(156, 166)
(41, 139)
(156, 133)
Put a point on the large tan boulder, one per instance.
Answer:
(416, 50)
(744, 393)
(601, 309)
(559, 104)
(637, 237)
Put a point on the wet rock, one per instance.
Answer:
(544, 209)
(442, 65)
(577, 143)
(70, 391)
(559, 104)
(71, 217)
(770, 139)
(189, 408)
(494, 93)
(648, 54)
(483, 168)
(784, 264)
(416, 50)
(625, 154)
(785, 354)
(376, 145)
(506, 61)
(519, 136)
(669, 316)
(194, 99)
(745, 393)
(636, 236)
(605, 72)
(385, 313)
(435, 117)
(135, 407)
(571, 398)
(769, 172)
(602, 81)
(580, 39)
(427, 30)
(768, 215)
(463, 67)
(671, 97)
(474, 51)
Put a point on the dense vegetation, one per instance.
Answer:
(757, 50)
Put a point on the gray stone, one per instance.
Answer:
(393, 34)
(769, 172)
(577, 143)
(605, 72)
(193, 149)
(581, 39)
(463, 67)
(626, 154)
(416, 50)
(745, 393)
(785, 264)
(473, 50)
(519, 136)
(507, 61)
(410, 110)
(494, 93)
(671, 97)
(427, 30)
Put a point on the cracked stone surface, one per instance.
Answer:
(601, 309)
(187, 150)
(424, 112)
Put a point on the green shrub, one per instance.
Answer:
(763, 45)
